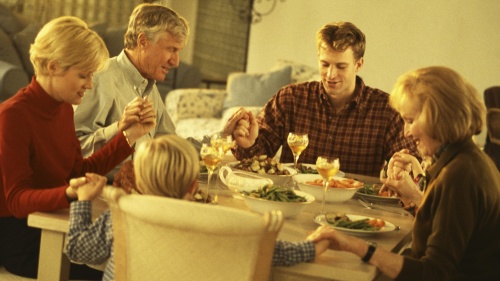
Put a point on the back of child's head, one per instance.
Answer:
(166, 166)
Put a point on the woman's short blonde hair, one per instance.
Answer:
(166, 166)
(153, 20)
(452, 109)
(71, 43)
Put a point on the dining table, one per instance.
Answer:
(331, 265)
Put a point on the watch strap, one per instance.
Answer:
(371, 249)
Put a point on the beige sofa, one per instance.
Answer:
(198, 112)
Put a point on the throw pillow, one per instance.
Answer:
(8, 52)
(23, 41)
(300, 72)
(12, 79)
(113, 37)
(246, 89)
(10, 21)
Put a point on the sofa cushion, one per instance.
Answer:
(113, 37)
(300, 72)
(195, 103)
(8, 51)
(10, 21)
(197, 127)
(12, 78)
(246, 89)
(22, 41)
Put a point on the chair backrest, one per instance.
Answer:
(492, 144)
(159, 238)
(493, 124)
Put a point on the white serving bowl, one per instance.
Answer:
(283, 180)
(238, 181)
(289, 209)
(333, 194)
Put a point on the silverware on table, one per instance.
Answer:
(369, 205)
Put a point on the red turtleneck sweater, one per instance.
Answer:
(39, 153)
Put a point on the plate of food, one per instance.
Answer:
(303, 168)
(370, 192)
(266, 167)
(355, 224)
(339, 189)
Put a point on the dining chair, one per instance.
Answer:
(159, 238)
(492, 143)
(493, 125)
(7, 276)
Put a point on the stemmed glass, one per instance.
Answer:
(327, 167)
(212, 156)
(297, 143)
(225, 143)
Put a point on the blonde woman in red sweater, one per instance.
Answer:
(39, 151)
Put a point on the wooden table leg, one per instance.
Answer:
(53, 263)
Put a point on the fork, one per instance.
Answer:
(369, 205)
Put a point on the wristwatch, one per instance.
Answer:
(371, 249)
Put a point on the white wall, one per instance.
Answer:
(401, 35)
(188, 9)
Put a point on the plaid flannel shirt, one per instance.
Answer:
(363, 134)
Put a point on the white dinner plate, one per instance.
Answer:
(320, 219)
(377, 198)
(339, 174)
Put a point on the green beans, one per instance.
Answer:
(341, 220)
(276, 193)
(368, 189)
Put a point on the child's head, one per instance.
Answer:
(166, 166)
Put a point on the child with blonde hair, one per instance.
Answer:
(166, 166)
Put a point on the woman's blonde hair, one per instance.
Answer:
(71, 43)
(451, 107)
(153, 20)
(166, 166)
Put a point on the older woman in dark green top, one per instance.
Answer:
(457, 225)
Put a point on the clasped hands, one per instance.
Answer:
(86, 188)
(244, 128)
(138, 118)
(401, 170)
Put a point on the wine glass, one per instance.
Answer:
(218, 140)
(297, 143)
(212, 156)
(327, 167)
